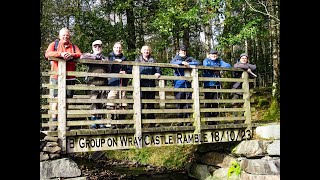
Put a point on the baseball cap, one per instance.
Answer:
(183, 47)
(97, 42)
(213, 51)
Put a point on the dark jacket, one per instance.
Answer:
(96, 68)
(115, 68)
(181, 71)
(211, 73)
(148, 70)
(237, 74)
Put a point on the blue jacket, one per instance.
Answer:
(148, 70)
(211, 73)
(115, 68)
(180, 71)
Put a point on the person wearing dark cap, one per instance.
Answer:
(96, 81)
(244, 64)
(213, 60)
(183, 59)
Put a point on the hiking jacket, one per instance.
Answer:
(71, 65)
(148, 70)
(181, 71)
(213, 73)
(115, 68)
(96, 68)
(237, 74)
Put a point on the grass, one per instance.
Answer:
(171, 157)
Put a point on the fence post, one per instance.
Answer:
(246, 97)
(62, 105)
(137, 103)
(196, 101)
(162, 94)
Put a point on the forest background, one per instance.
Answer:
(229, 26)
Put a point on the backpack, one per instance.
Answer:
(56, 43)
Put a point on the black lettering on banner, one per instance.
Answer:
(71, 142)
(190, 137)
(222, 135)
(179, 137)
(238, 134)
(152, 140)
(196, 138)
(163, 140)
(81, 143)
(248, 134)
(123, 140)
(109, 142)
(102, 142)
(204, 137)
(170, 139)
(216, 136)
(92, 143)
(145, 140)
(243, 133)
(130, 141)
(232, 135)
(157, 141)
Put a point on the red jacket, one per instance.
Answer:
(71, 66)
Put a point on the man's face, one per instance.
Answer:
(97, 49)
(182, 53)
(64, 36)
(213, 56)
(244, 59)
(117, 49)
(145, 51)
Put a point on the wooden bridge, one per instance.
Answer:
(74, 114)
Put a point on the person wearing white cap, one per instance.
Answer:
(244, 64)
(97, 81)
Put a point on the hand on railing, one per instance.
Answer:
(117, 60)
(157, 75)
(249, 71)
(66, 55)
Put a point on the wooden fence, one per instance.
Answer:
(74, 113)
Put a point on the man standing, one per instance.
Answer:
(67, 51)
(213, 60)
(97, 81)
(183, 58)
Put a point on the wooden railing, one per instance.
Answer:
(74, 113)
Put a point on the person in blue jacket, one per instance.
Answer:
(145, 56)
(183, 58)
(213, 60)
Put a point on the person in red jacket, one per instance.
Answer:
(66, 51)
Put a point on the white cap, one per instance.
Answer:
(97, 42)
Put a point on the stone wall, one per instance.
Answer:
(52, 165)
(256, 159)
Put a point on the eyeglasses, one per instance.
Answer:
(97, 45)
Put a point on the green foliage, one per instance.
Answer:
(142, 155)
(234, 169)
(273, 113)
(172, 157)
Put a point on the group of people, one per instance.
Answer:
(64, 49)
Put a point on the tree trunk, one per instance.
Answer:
(275, 52)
